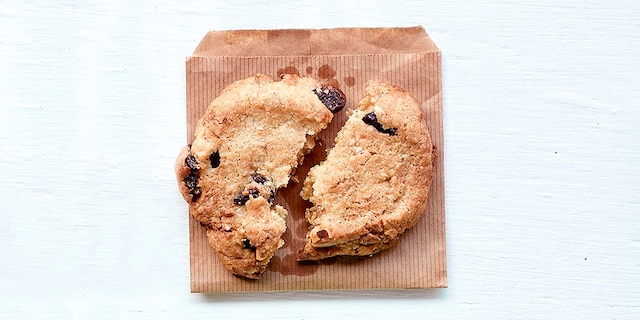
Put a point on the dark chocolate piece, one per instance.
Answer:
(333, 98)
(372, 120)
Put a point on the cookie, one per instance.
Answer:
(246, 147)
(375, 181)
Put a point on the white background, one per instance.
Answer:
(542, 159)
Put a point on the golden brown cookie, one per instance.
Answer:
(375, 182)
(246, 147)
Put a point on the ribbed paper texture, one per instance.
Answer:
(419, 260)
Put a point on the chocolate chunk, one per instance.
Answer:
(242, 199)
(191, 180)
(390, 131)
(254, 193)
(215, 159)
(247, 244)
(191, 162)
(195, 194)
(333, 98)
(258, 178)
(372, 120)
(272, 196)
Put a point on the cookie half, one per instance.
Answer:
(246, 147)
(375, 182)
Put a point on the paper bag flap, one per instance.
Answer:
(299, 42)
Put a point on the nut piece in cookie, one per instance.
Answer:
(246, 147)
(375, 182)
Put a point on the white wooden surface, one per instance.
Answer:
(542, 159)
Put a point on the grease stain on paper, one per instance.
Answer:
(350, 81)
(326, 72)
(289, 266)
(285, 261)
(288, 70)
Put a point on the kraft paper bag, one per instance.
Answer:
(345, 58)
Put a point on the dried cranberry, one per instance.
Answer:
(322, 234)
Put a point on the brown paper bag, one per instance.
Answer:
(344, 58)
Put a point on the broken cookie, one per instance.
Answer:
(375, 182)
(246, 147)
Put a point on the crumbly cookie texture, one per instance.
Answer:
(246, 146)
(375, 182)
